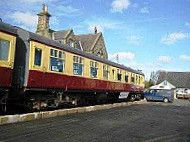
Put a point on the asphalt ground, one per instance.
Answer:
(152, 122)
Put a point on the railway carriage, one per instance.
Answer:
(50, 74)
(8, 36)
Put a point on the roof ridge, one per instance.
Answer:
(177, 72)
(88, 34)
(62, 30)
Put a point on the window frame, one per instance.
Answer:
(106, 68)
(55, 54)
(39, 48)
(79, 61)
(71, 43)
(9, 50)
(94, 66)
(113, 74)
(119, 73)
(132, 78)
(126, 75)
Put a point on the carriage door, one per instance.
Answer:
(38, 69)
(7, 49)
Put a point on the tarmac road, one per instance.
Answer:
(149, 123)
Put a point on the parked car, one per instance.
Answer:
(183, 96)
(159, 95)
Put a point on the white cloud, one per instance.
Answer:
(36, 1)
(122, 56)
(101, 24)
(187, 24)
(66, 11)
(173, 38)
(144, 10)
(164, 59)
(185, 57)
(134, 39)
(120, 5)
(25, 19)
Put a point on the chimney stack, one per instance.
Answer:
(43, 22)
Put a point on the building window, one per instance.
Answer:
(38, 57)
(136, 79)
(139, 80)
(93, 69)
(78, 65)
(126, 77)
(106, 71)
(119, 75)
(4, 49)
(71, 43)
(100, 53)
(57, 60)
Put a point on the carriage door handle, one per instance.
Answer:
(11, 64)
(44, 69)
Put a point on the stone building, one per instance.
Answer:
(90, 43)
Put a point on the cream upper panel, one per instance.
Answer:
(10, 41)
(68, 65)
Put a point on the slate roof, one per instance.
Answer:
(8, 28)
(178, 79)
(60, 34)
(87, 40)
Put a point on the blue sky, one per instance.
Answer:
(149, 34)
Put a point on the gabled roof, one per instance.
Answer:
(165, 85)
(87, 40)
(60, 34)
(178, 79)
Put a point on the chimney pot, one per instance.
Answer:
(95, 30)
(46, 8)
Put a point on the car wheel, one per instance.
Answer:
(166, 100)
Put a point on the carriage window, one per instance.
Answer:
(4, 49)
(119, 75)
(132, 79)
(38, 57)
(57, 63)
(93, 69)
(106, 71)
(126, 77)
(78, 65)
(142, 80)
(113, 73)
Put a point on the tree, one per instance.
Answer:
(153, 79)
(148, 84)
(154, 76)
